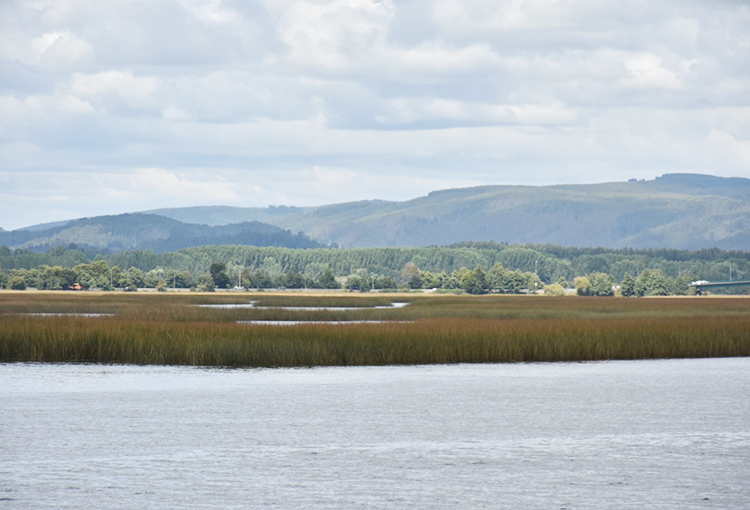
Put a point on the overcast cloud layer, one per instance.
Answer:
(125, 105)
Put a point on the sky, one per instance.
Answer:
(128, 105)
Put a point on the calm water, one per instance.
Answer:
(620, 435)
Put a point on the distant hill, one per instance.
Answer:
(151, 232)
(682, 211)
(224, 215)
(685, 211)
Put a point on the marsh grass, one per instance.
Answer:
(169, 329)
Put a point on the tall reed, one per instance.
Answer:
(171, 330)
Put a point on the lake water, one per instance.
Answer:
(622, 435)
(254, 305)
(327, 323)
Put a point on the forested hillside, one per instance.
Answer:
(150, 232)
(679, 211)
(683, 211)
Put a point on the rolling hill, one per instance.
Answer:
(685, 211)
(682, 211)
(150, 232)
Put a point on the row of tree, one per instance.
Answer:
(209, 267)
(550, 263)
(650, 282)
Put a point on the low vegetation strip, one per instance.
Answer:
(164, 329)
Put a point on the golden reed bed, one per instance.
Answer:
(170, 329)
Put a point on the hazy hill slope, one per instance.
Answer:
(153, 232)
(215, 215)
(684, 211)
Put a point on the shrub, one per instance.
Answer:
(554, 289)
(17, 283)
(583, 285)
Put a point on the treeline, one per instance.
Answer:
(471, 267)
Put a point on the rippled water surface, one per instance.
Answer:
(620, 435)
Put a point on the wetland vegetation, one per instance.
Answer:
(168, 328)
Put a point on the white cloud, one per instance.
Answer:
(72, 104)
(333, 176)
(300, 101)
(647, 71)
(721, 144)
(135, 91)
(211, 11)
(158, 182)
(174, 113)
(326, 34)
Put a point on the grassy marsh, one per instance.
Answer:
(170, 329)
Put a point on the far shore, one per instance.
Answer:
(570, 293)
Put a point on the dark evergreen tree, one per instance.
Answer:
(627, 287)
(219, 275)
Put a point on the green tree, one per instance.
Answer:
(496, 277)
(293, 280)
(55, 278)
(133, 278)
(679, 286)
(327, 280)
(582, 285)
(205, 283)
(474, 282)
(651, 283)
(273, 269)
(385, 282)
(358, 282)
(602, 284)
(218, 271)
(17, 283)
(260, 280)
(432, 280)
(410, 276)
(627, 287)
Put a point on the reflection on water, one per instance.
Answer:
(621, 435)
(252, 304)
(297, 323)
(70, 314)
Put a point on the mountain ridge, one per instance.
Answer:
(681, 211)
(150, 231)
(686, 211)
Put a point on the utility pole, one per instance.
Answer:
(239, 276)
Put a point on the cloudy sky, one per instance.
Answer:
(124, 105)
